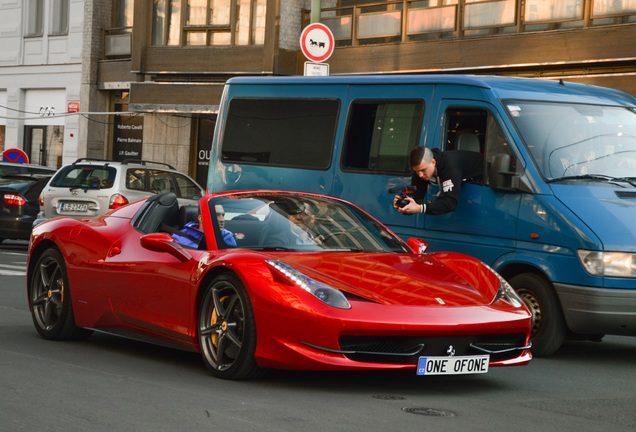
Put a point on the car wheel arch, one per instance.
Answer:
(35, 254)
(541, 298)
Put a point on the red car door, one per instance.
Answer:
(152, 291)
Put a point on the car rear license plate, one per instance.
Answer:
(72, 207)
(453, 365)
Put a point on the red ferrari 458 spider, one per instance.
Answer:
(271, 279)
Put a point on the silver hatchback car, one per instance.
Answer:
(88, 187)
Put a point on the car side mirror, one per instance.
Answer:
(500, 173)
(162, 242)
(418, 246)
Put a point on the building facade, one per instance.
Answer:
(40, 75)
(152, 72)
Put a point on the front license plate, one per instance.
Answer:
(453, 365)
(74, 207)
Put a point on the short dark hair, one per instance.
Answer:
(419, 154)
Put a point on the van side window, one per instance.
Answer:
(466, 129)
(280, 132)
(380, 135)
(477, 130)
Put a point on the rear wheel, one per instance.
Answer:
(227, 331)
(548, 325)
(50, 294)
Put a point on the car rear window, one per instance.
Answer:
(16, 184)
(85, 176)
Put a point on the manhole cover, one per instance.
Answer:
(388, 397)
(431, 412)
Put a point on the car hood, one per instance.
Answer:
(389, 278)
(608, 211)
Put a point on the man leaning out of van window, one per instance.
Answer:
(445, 169)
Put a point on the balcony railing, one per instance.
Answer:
(407, 20)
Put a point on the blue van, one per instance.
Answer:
(555, 212)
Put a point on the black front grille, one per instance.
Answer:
(407, 350)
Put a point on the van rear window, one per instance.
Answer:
(280, 132)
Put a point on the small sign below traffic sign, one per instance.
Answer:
(316, 69)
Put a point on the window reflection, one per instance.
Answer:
(208, 22)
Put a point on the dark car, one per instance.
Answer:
(19, 206)
(8, 168)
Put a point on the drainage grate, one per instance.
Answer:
(431, 412)
(388, 397)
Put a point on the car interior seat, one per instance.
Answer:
(468, 141)
(277, 231)
(160, 209)
(158, 186)
(187, 213)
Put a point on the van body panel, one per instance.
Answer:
(611, 217)
(351, 183)
(485, 223)
(523, 219)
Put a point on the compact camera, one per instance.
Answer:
(404, 192)
(402, 201)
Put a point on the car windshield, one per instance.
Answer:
(576, 140)
(270, 221)
(85, 177)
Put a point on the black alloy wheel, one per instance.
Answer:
(227, 331)
(50, 295)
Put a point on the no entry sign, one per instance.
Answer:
(316, 42)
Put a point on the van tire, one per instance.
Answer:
(548, 325)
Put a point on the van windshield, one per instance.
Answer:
(577, 140)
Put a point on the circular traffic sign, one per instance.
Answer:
(316, 42)
(15, 155)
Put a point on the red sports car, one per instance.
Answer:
(271, 279)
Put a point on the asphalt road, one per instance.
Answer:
(111, 384)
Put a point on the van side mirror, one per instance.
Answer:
(500, 174)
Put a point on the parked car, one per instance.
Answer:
(19, 206)
(313, 283)
(7, 168)
(88, 188)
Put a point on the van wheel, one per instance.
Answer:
(548, 325)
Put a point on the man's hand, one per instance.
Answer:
(411, 208)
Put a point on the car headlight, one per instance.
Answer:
(615, 264)
(505, 291)
(321, 291)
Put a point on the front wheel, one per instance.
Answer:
(227, 330)
(548, 325)
(50, 294)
